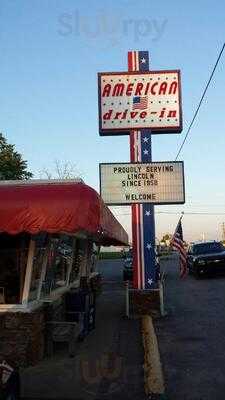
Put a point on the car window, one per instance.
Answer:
(204, 248)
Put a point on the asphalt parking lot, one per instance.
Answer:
(192, 336)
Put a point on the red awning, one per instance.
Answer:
(57, 207)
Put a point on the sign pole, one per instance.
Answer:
(140, 103)
(143, 219)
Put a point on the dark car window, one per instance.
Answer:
(204, 248)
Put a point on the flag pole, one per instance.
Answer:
(182, 214)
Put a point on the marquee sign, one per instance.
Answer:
(139, 100)
(129, 183)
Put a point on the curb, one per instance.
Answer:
(153, 375)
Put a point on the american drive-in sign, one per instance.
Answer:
(139, 100)
(130, 183)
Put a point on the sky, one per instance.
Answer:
(51, 52)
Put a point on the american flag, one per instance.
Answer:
(140, 103)
(177, 243)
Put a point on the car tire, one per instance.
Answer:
(196, 273)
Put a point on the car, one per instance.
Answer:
(206, 257)
(128, 266)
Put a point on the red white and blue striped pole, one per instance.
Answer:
(143, 221)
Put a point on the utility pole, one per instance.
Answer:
(223, 231)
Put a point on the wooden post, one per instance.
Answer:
(29, 270)
(43, 270)
(22, 267)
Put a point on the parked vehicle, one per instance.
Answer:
(128, 267)
(206, 257)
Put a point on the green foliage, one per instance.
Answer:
(12, 166)
(166, 237)
(110, 255)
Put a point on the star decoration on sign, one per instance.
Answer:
(143, 60)
(145, 139)
(150, 282)
(149, 246)
(145, 152)
(147, 213)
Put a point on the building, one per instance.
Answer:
(49, 233)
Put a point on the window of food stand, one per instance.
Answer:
(40, 269)
(13, 258)
(76, 261)
(58, 264)
(39, 259)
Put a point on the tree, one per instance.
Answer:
(61, 170)
(12, 166)
(167, 237)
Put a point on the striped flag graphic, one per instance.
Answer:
(140, 103)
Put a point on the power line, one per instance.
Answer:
(185, 138)
(201, 100)
(187, 205)
(191, 213)
(176, 213)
